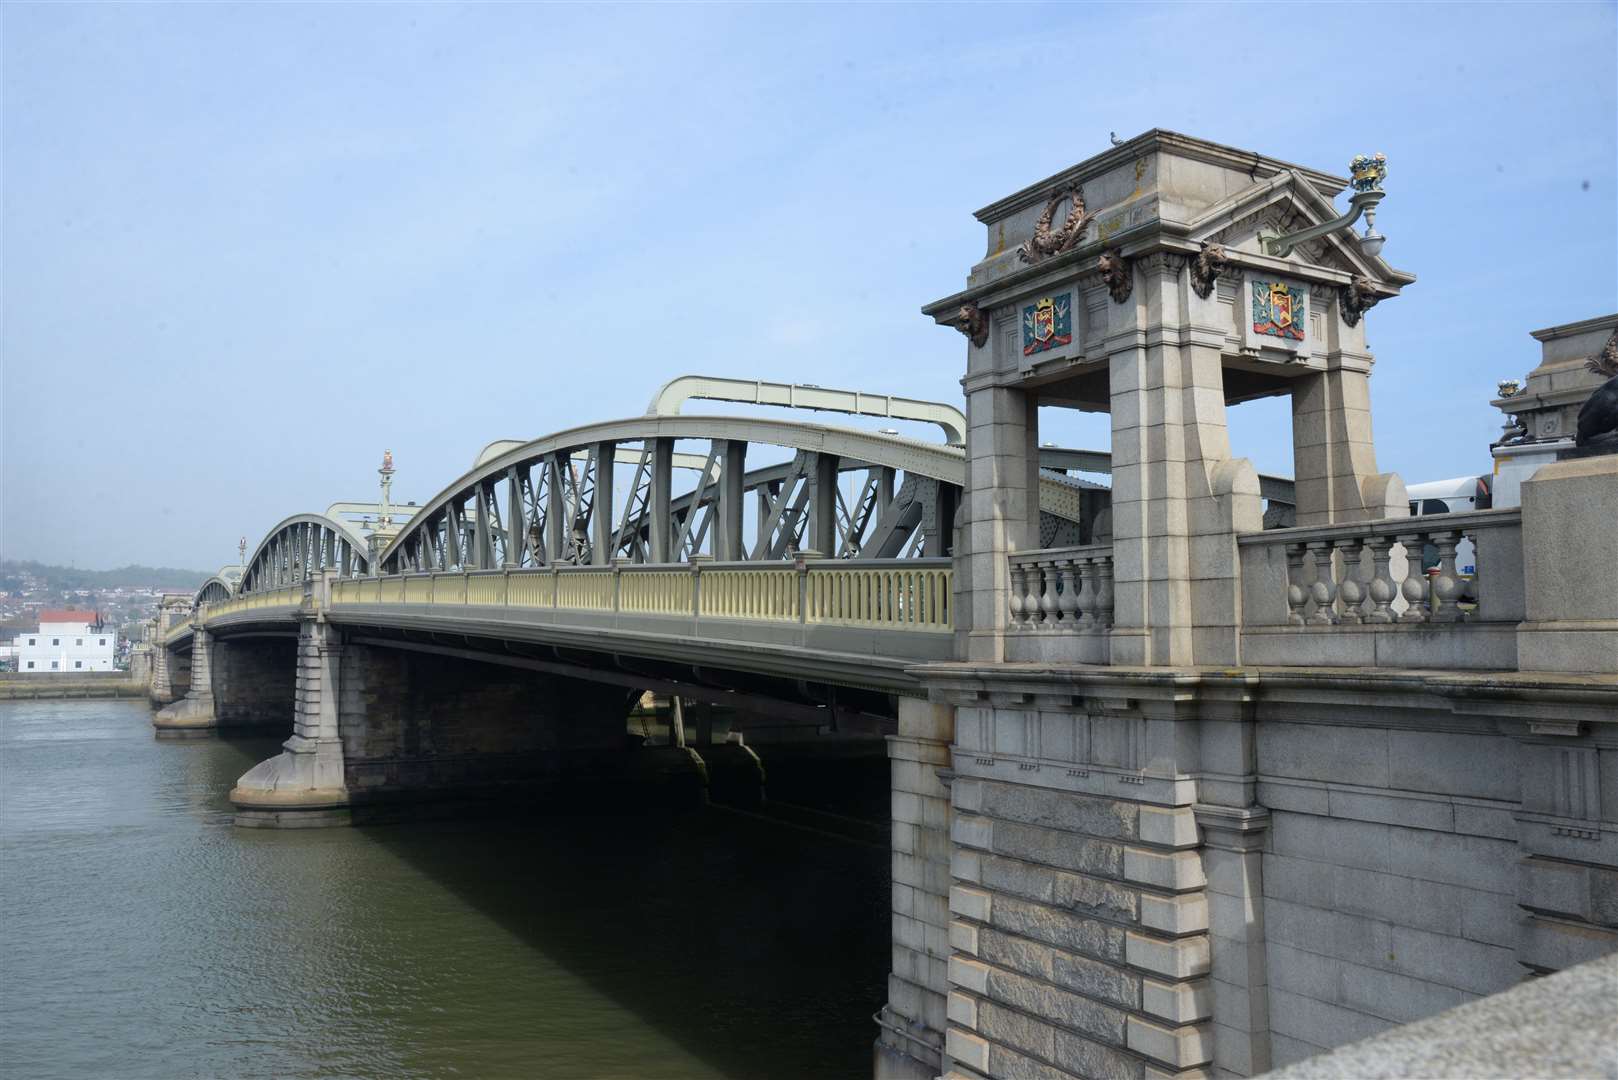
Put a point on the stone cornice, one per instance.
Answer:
(1551, 333)
(1184, 146)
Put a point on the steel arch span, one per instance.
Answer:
(554, 500)
(301, 545)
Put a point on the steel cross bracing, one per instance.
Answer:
(844, 493)
(302, 545)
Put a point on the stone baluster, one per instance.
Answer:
(1090, 569)
(1324, 589)
(1068, 570)
(1019, 586)
(1415, 584)
(1296, 594)
(1104, 594)
(1446, 588)
(1382, 587)
(1030, 596)
(1350, 590)
(1049, 605)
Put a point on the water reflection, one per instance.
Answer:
(146, 937)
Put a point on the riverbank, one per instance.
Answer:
(29, 686)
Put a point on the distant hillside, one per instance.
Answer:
(67, 577)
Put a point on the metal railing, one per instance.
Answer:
(915, 596)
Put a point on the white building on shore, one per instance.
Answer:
(67, 642)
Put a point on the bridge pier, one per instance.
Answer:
(193, 714)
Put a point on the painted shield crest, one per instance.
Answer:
(1279, 309)
(1047, 324)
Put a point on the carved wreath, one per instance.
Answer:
(1045, 242)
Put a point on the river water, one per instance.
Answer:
(142, 935)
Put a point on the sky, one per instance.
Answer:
(246, 248)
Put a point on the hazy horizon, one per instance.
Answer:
(247, 248)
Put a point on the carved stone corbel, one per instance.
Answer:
(971, 321)
(1355, 299)
(1210, 262)
(1047, 242)
(1116, 273)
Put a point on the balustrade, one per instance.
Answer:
(1062, 590)
(1395, 570)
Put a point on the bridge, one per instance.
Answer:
(1193, 772)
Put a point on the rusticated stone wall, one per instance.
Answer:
(253, 682)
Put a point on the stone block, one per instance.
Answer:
(1185, 914)
(1168, 827)
(1016, 1030)
(1491, 918)
(1324, 752)
(1426, 905)
(1329, 840)
(1015, 953)
(971, 831)
(1299, 971)
(963, 937)
(1096, 979)
(1245, 1008)
(1396, 997)
(1301, 881)
(1181, 958)
(966, 865)
(969, 974)
(1063, 929)
(962, 1009)
(970, 903)
(1179, 1047)
(1050, 847)
(1060, 1008)
(1178, 1003)
(1472, 966)
(1094, 896)
(1304, 797)
(1179, 871)
(1471, 861)
(907, 932)
(1097, 817)
(1453, 763)
(969, 1049)
(1079, 1056)
(1548, 944)
(1576, 890)
(1474, 819)
(1319, 1023)
(1285, 1050)
(1414, 813)
(926, 720)
(1327, 933)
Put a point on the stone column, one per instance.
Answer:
(913, 1021)
(304, 785)
(1570, 554)
(1000, 500)
(194, 713)
(1177, 497)
(1333, 457)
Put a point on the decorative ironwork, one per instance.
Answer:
(1368, 171)
(1045, 242)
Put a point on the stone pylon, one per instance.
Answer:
(304, 785)
(194, 713)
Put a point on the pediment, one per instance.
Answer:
(1284, 203)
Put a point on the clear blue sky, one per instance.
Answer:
(248, 247)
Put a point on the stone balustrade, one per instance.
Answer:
(1062, 590)
(1061, 602)
(1393, 584)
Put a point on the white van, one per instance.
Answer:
(1451, 497)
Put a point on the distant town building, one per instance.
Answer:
(67, 641)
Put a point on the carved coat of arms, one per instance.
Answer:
(1047, 324)
(1279, 309)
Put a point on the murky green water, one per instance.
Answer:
(142, 935)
